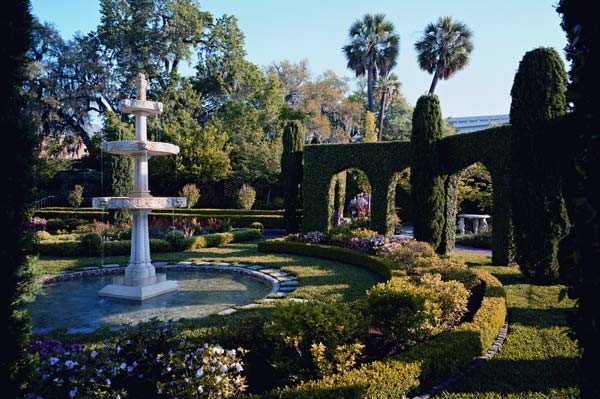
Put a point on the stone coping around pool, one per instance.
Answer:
(283, 284)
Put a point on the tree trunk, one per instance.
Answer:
(434, 81)
(381, 114)
(370, 90)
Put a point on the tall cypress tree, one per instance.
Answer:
(291, 169)
(428, 194)
(580, 22)
(19, 141)
(120, 166)
(540, 215)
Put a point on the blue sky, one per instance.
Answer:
(317, 30)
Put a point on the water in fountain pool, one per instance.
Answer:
(75, 305)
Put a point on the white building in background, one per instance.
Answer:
(467, 124)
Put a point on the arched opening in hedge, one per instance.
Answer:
(491, 148)
(402, 201)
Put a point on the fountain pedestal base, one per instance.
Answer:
(122, 288)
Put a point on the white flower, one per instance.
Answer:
(200, 389)
(218, 379)
(93, 354)
(231, 352)
(212, 369)
(107, 381)
(123, 366)
(223, 369)
(239, 367)
(53, 361)
(199, 373)
(73, 392)
(118, 349)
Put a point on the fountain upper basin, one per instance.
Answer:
(138, 202)
(152, 148)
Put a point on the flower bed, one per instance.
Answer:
(74, 247)
(421, 364)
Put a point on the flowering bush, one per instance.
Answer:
(406, 251)
(108, 231)
(189, 226)
(315, 237)
(150, 360)
(37, 223)
(359, 206)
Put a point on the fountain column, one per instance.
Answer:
(140, 280)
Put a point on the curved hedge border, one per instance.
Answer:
(123, 247)
(239, 218)
(381, 266)
(422, 364)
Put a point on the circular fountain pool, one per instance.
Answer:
(75, 305)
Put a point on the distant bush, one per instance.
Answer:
(258, 226)
(406, 252)
(76, 196)
(246, 197)
(191, 194)
(176, 239)
(90, 244)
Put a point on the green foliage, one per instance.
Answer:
(90, 244)
(246, 197)
(444, 49)
(291, 168)
(296, 328)
(541, 220)
(475, 186)
(451, 297)
(17, 164)
(76, 196)
(428, 194)
(580, 26)
(369, 128)
(257, 226)
(176, 239)
(322, 163)
(191, 193)
(402, 312)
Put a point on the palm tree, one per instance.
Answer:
(388, 89)
(444, 49)
(373, 49)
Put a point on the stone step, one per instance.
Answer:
(111, 266)
(227, 312)
(289, 283)
(268, 271)
(287, 289)
(202, 263)
(184, 263)
(160, 263)
(255, 267)
(223, 264)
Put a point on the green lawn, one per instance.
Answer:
(538, 359)
(317, 277)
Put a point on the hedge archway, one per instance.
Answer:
(384, 160)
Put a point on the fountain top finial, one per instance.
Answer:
(141, 87)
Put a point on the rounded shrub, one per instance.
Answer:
(90, 244)
(41, 235)
(257, 226)
(402, 312)
(306, 335)
(191, 193)
(177, 240)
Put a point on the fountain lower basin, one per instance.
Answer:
(139, 289)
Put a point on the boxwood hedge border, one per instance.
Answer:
(417, 368)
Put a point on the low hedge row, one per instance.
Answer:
(238, 218)
(193, 211)
(381, 266)
(419, 366)
(123, 247)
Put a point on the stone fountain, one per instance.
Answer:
(140, 280)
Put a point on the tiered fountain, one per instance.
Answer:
(140, 280)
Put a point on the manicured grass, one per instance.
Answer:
(317, 277)
(539, 359)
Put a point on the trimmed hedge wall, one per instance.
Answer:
(380, 161)
(492, 148)
(123, 247)
(239, 218)
(422, 364)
